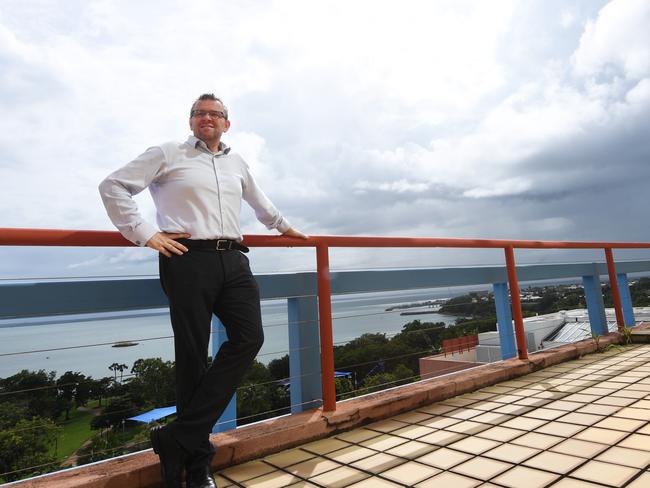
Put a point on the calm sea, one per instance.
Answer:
(85, 345)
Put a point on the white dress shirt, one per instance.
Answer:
(195, 191)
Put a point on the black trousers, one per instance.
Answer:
(199, 283)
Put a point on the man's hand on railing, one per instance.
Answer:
(291, 232)
(164, 243)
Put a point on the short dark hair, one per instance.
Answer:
(209, 96)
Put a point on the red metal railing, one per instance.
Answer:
(459, 344)
(48, 237)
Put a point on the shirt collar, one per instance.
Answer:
(195, 142)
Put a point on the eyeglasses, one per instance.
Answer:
(213, 115)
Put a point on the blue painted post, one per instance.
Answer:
(304, 356)
(626, 299)
(228, 419)
(595, 304)
(504, 320)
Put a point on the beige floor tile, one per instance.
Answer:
(545, 414)
(581, 418)
(560, 429)
(410, 473)
(565, 405)
(634, 413)
(386, 425)
(340, 477)
(521, 476)
(491, 418)
(287, 458)
(464, 413)
(599, 409)
(486, 405)
(312, 467)
(506, 399)
(384, 442)
(448, 480)
(597, 391)
(629, 394)
(641, 404)
(437, 409)
(642, 481)
(574, 483)
(499, 433)
(633, 458)
(276, 479)
(481, 468)
(324, 446)
(551, 395)
(413, 417)
(246, 471)
(458, 401)
(413, 431)
(575, 447)
(617, 423)
(444, 458)
(350, 454)
(474, 445)
(552, 461)
(616, 401)
(468, 427)
(513, 409)
(644, 430)
(357, 435)
(377, 463)
(523, 423)
(440, 422)
(374, 482)
(604, 436)
(600, 472)
(221, 481)
(537, 441)
(533, 402)
(303, 484)
(441, 438)
(511, 453)
(581, 398)
(411, 449)
(636, 441)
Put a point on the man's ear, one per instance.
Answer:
(227, 125)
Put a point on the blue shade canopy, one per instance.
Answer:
(155, 414)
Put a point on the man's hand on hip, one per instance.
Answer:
(166, 243)
(291, 232)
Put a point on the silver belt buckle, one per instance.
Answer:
(223, 245)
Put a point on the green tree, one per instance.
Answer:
(35, 391)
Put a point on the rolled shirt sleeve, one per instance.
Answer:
(264, 209)
(118, 189)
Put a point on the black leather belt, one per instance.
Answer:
(213, 244)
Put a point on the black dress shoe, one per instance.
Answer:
(172, 456)
(200, 477)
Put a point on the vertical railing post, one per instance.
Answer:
(516, 302)
(613, 284)
(595, 303)
(304, 365)
(228, 419)
(626, 299)
(325, 316)
(504, 320)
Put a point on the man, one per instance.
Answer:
(197, 187)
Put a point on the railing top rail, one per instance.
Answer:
(102, 238)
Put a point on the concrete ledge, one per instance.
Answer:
(141, 470)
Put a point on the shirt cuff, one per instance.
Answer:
(142, 233)
(283, 226)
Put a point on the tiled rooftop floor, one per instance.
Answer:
(583, 423)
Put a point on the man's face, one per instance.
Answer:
(208, 127)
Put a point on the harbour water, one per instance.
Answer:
(86, 345)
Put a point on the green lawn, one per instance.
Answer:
(76, 431)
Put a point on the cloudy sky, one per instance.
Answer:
(526, 120)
